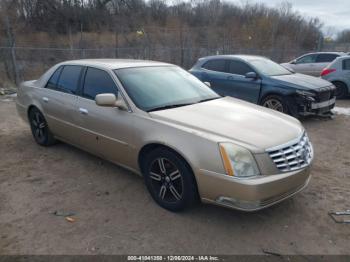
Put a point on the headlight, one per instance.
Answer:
(305, 93)
(238, 161)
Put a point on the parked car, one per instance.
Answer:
(312, 63)
(158, 120)
(261, 81)
(338, 72)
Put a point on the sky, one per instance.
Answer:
(334, 14)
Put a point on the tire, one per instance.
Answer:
(40, 130)
(341, 91)
(275, 102)
(169, 179)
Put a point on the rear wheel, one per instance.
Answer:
(169, 180)
(40, 130)
(275, 102)
(341, 91)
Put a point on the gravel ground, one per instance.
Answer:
(114, 213)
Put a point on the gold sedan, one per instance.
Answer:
(161, 122)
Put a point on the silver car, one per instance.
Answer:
(312, 63)
(338, 72)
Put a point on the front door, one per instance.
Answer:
(305, 65)
(244, 88)
(105, 131)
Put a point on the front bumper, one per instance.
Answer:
(251, 194)
(317, 108)
(320, 104)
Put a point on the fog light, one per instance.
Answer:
(240, 204)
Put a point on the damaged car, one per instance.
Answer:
(261, 81)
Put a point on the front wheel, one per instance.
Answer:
(275, 102)
(169, 180)
(40, 130)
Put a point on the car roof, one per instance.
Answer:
(114, 63)
(241, 57)
(331, 52)
(343, 57)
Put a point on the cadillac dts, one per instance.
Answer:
(158, 120)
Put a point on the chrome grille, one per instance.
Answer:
(292, 156)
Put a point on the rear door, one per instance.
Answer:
(244, 88)
(59, 102)
(106, 131)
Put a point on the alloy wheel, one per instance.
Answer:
(166, 180)
(274, 104)
(38, 125)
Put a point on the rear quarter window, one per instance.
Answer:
(52, 83)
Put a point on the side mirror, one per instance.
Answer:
(293, 62)
(207, 83)
(251, 75)
(110, 100)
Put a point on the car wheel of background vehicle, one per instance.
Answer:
(275, 102)
(169, 180)
(341, 91)
(40, 129)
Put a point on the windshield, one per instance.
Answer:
(158, 87)
(269, 68)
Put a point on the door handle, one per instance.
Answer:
(230, 78)
(83, 111)
(45, 99)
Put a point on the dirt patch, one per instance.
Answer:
(36, 181)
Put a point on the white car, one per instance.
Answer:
(338, 72)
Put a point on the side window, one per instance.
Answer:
(307, 59)
(322, 58)
(218, 65)
(239, 68)
(346, 64)
(98, 82)
(52, 83)
(69, 79)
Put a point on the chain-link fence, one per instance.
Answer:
(24, 63)
(30, 63)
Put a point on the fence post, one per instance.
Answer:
(12, 44)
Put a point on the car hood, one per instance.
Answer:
(230, 119)
(301, 81)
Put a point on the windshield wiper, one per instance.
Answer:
(169, 107)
